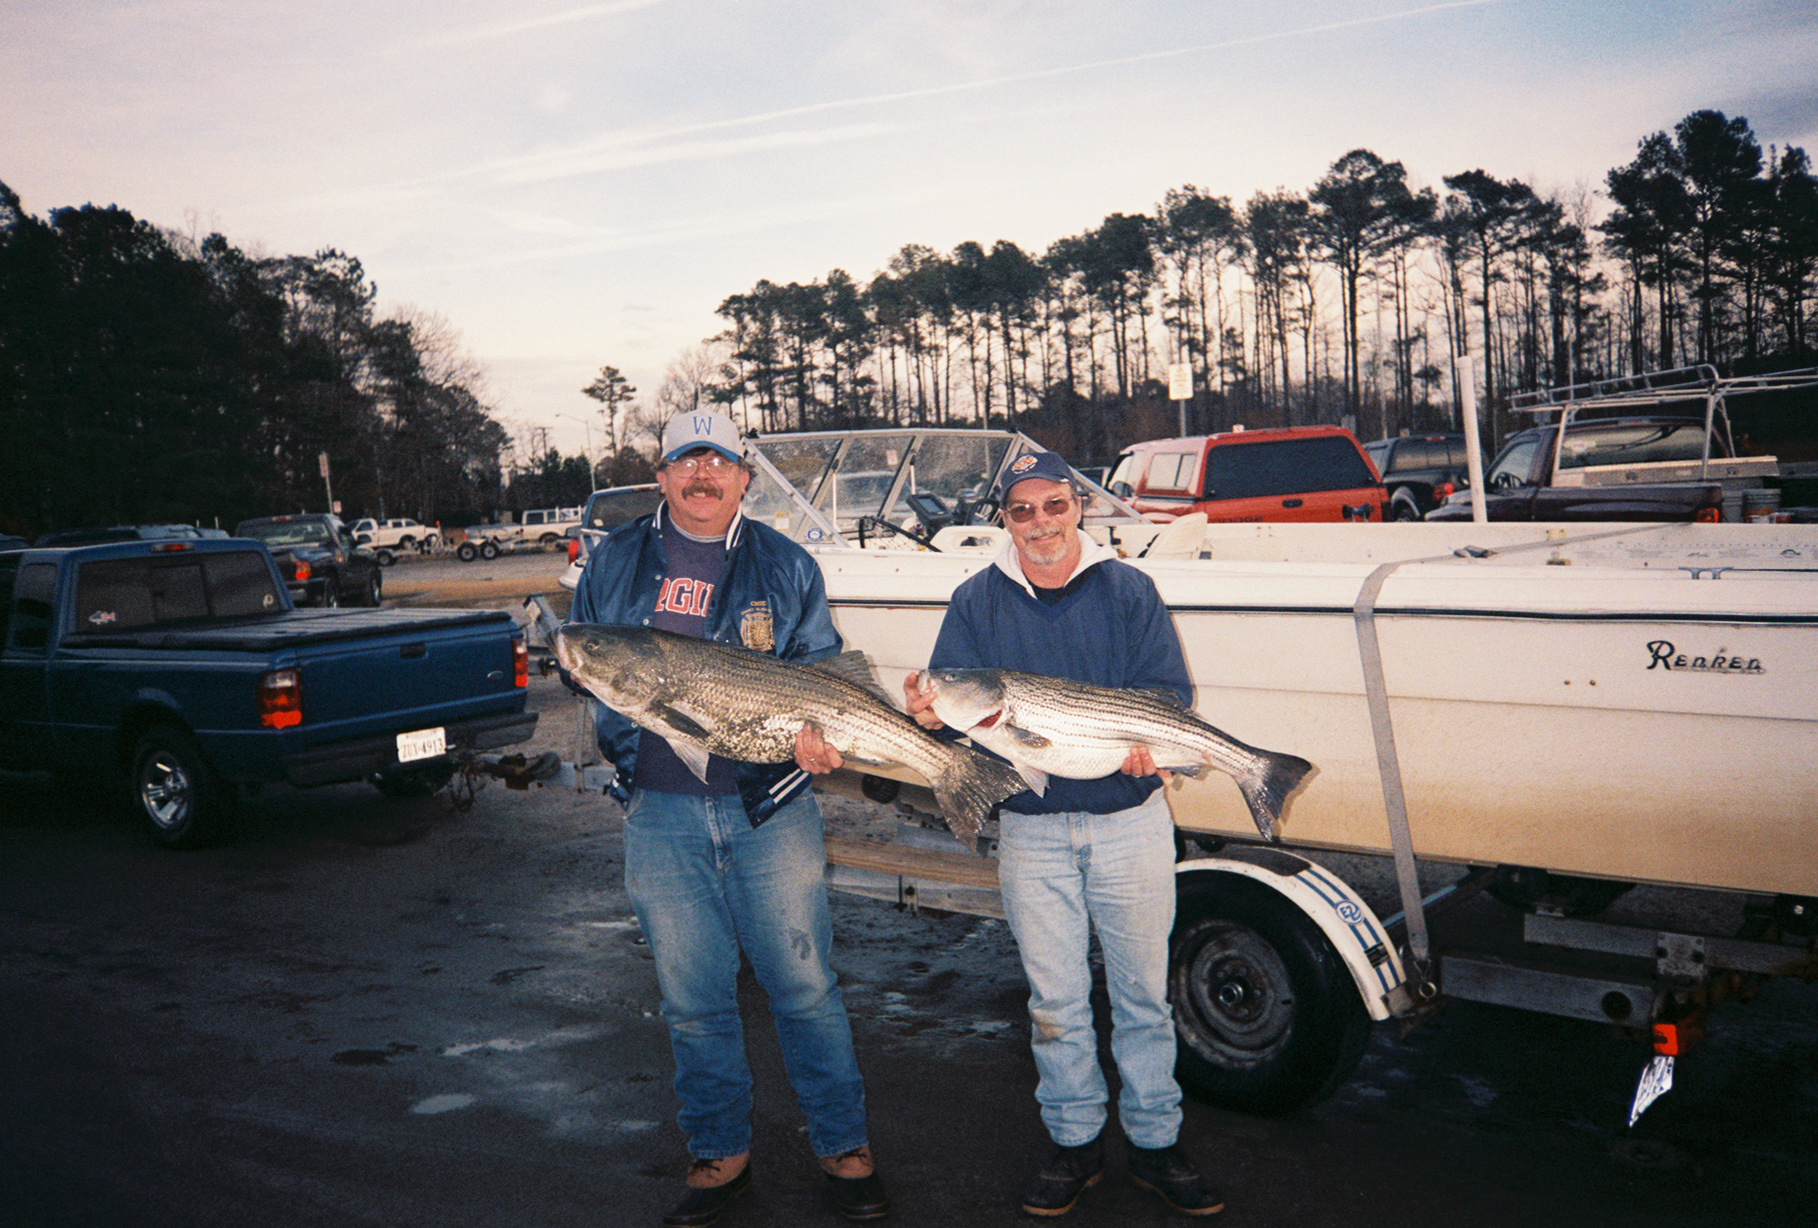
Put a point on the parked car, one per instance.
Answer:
(1635, 468)
(391, 537)
(318, 558)
(1294, 473)
(182, 666)
(9, 541)
(606, 510)
(1419, 471)
(117, 533)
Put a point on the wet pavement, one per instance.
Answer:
(371, 1012)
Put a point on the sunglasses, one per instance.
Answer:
(715, 461)
(1023, 513)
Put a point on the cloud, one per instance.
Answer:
(511, 29)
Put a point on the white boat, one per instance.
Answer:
(1632, 702)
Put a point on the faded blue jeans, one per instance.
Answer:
(706, 884)
(1058, 874)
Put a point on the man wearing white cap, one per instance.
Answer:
(733, 861)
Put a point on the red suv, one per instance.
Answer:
(1292, 473)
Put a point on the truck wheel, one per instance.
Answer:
(1404, 510)
(1269, 1020)
(489, 551)
(547, 542)
(402, 782)
(374, 592)
(385, 556)
(407, 542)
(178, 796)
(331, 592)
(467, 552)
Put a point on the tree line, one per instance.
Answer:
(1349, 302)
(147, 377)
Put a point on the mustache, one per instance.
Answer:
(701, 488)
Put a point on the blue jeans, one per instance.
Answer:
(706, 884)
(1058, 874)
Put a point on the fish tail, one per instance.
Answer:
(968, 787)
(1267, 789)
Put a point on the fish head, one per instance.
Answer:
(965, 698)
(618, 665)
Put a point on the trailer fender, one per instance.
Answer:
(1349, 924)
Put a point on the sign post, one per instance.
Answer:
(322, 463)
(1180, 388)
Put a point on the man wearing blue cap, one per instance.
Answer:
(735, 860)
(1086, 854)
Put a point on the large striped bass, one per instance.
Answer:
(1056, 727)
(704, 697)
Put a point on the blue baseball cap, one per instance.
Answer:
(1046, 465)
(702, 428)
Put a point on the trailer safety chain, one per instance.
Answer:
(465, 785)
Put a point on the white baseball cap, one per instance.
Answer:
(702, 428)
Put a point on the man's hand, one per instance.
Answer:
(919, 703)
(812, 754)
(1140, 762)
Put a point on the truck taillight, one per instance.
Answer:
(574, 548)
(280, 699)
(302, 571)
(520, 662)
(1709, 515)
(1443, 491)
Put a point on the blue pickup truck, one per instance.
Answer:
(183, 667)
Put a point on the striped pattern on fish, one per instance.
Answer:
(1057, 727)
(705, 697)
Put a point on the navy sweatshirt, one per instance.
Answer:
(1110, 629)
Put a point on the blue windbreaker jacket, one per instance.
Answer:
(771, 599)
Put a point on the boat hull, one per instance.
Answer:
(1643, 722)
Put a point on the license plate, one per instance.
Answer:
(422, 744)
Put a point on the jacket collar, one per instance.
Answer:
(734, 532)
(1090, 554)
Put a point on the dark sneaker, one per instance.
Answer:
(1067, 1174)
(702, 1204)
(853, 1184)
(1169, 1174)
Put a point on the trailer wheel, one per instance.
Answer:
(489, 551)
(178, 796)
(467, 552)
(1268, 1018)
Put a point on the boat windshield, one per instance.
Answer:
(835, 486)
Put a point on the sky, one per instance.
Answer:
(571, 185)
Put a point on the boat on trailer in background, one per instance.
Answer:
(1557, 713)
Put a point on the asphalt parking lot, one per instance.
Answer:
(372, 1012)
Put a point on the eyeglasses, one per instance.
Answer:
(1054, 509)
(715, 461)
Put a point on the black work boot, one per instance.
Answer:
(1068, 1172)
(1170, 1175)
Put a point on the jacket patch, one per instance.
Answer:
(756, 630)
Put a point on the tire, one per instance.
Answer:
(1404, 511)
(547, 542)
(407, 543)
(385, 556)
(1268, 1018)
(174, 792)
(431, 543)
(374, 594)
(399, 781)
(467, 552)
(331, 593)
(489, 551)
